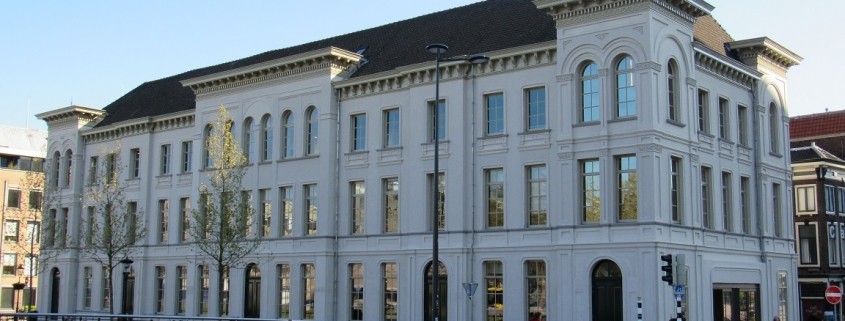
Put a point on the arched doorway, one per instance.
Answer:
(130, 292)
(252, 292)
(607, 292)
(442, 287)
(55, 290)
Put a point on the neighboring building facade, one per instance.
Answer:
(600, 136)
(22, 153)
(819, 185)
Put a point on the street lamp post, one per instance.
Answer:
(16, 288)
(127, 266)
(438, 49)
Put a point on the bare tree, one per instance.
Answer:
(223, 215)
(110, 224)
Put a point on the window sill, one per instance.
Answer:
(586, 123)
(535, 131)
(775, 154)
(389, 148)
(622, 119)
(164, 175)
(676, 123)
(265, 162)
(701, 133)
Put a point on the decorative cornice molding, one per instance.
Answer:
(72, 113)
(140, 126)
(531, 56)
(648, 65)
(751, 49)
(722, 67)
(334, 60)
(562, 10)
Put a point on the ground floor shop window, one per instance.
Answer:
(736, 302)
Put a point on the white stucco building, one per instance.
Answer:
(599, 136)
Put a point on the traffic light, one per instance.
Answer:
(667, 269)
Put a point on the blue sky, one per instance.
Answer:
(90, 53)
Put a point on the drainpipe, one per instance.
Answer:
(472, 192)
(336, 205)
(758, 171)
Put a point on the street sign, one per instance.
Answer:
(679, 289)
(833, 294)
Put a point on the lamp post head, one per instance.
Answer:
(478, 59)
(127, 264)
(437, 48)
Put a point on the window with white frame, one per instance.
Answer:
(436, 120)
(187, 150)
(742, 121)
(774, 126)
(535, 290)
(745, 204)
(358, 206)
(11, 230)
(106, 290)
(92, 170)
(727, 201)
(286, 210)
(672, 86)
(248, 140)
(266, 138)
(703, 111)
(287, 134)
(164, 163)
(590, 191)
(359, 132)
(830, 199)
(724, 119)
(164, 219)
(626, 91)
(494, 179)
(284, 291)
(204, 286)
(805, 199)
(265, 212)
(182, 288)
(590, 98)
(832, 243)
(356, 291)
(390, 291)
(87, 286)
(675, 188)
(309, 287)
(13, 198)
(184, 218)
(538, 195)
(159, 288)
(807, 244)
(311, 131)
(134, 163)
(494, 114)
(310, 209)
(782, 296)
(494, 285)
(535, 108)
(626, 180)
(777, 209)
(10, 263)
(441, 197)
(391, 127)
(706, 198)
(391, 204)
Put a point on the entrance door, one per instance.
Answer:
(130, 293)
(607, 292)
(252, 295)
(442, 288)
(54, 294)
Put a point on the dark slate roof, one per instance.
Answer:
(475, 28)
(812, 153)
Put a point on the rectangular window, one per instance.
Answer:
(390, 291)
(134, 163)
(706, 198)
(494, 114)
(204, 285)
(832, 244)
(284, 291)
(807, 244)
(92, 170)
(391, 204)
(286, 207)
(89, 226)
(311, 208)
(494, 289)
(247, 207)
(89, 283)
(35, 198)
(359, 206)
(164, 219)
(436, 120)
(187, 151)
(627, 189)
(805, 199)
(265, 213)
(359, 132)
(182, 289)
(727, 201)
(159, 288)
(703, 112)
(131, 222)
(308, 291)
(745, 204)
(494, 180)
(535, 290)
(185, 216)
(591, 190)
(676, 185)
(63, 236)
(111, 167)
(33, 232)
(10, 263)
(164, 168)
(724, 119)
(538, 195)
(356, 292)
(535, 108)
(391, 127)
(840, 200)
(11, 230)
(742, 121)
(13, 198)
(777, 210)
(782, 296)
(106, 288)
(829, 199)
(441, 200)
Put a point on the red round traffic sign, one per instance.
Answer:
(833, 294)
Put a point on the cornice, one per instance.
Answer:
(140, 126)
(766, 48)
(530, 56)
(724, 67)
(567, 9)
(70, 114)
(334, 60)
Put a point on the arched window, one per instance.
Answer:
(311, 130)
(206, 155)
(626, 93)
(56, 169)
(248, 141)
(266, 137)
(68, 167)
(607, 292)
(590, 92)
(774, 124)
(672, 90)
(287, 134)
